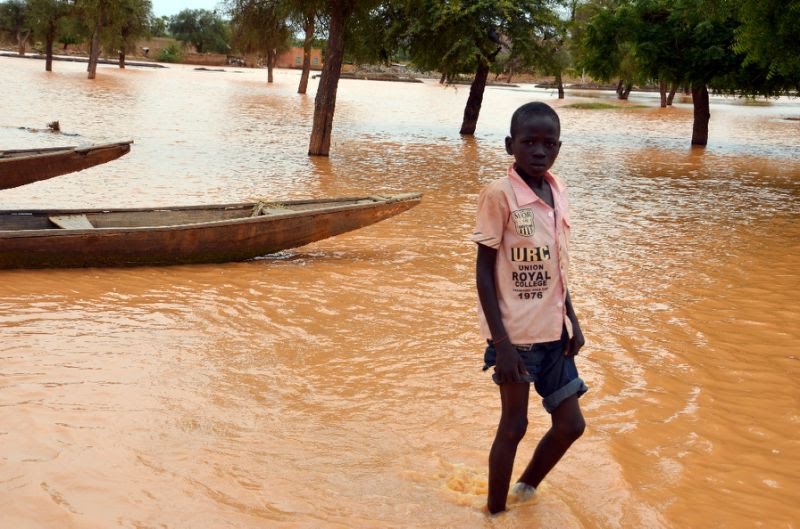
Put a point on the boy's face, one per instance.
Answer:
(535, 145)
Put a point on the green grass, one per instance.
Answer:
(753, 102)
(601, 106)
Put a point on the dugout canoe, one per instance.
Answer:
(24, 166)
(183, 234)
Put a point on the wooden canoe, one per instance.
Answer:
(20, 167)
(183, 234)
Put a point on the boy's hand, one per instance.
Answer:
(509, 367)
(575, 343)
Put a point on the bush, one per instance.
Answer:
(172, 53)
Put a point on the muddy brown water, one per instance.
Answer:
(339, 384)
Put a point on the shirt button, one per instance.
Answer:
(549, 213)
(560, 304)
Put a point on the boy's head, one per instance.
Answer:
(534, 139)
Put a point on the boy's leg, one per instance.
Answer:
(567, 426)
(510, 431)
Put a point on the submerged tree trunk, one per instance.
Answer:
(325, 101)
(123, 51)
(94, 52)
(22, 41)
(671, 96)
(510, 73)
(560, 84)
(48, 47)
(662, 90)
(309, 29)
(702, 114)
(624, 92)
(473, 108)
(271, 56)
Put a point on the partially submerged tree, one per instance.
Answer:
(46, 17)
(15, 20)
(131, 23)
(306, 15)
(325, 102)
(338, 14)
(97, 15)
(547, 51)
(703, 44)
(261, 26)
(605, 48)
(468, 37)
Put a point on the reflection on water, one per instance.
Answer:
(339, 385)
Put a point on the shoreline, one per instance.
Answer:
(69, 58)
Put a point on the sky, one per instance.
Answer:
(173, 7)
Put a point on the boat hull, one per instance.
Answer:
(18, 168)
(231, 239)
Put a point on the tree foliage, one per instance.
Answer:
(202, 28)
(262, 27)
(467, 36)
(702, 44)
(769, 38)
(45, 19)
(306, 17)
(132, 21)
(15, 22)
(71, 30)
(98, 15)
(159, 26)
(606, 45)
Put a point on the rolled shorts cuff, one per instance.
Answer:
(576, 386)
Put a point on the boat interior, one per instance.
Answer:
(140, 218)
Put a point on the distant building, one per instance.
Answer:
(294, 59)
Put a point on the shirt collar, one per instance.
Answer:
(523, 192)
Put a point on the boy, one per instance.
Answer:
(526, 313)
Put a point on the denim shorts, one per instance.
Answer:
(554, 375)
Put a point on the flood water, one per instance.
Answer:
(338, 385)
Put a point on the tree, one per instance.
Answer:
(703, 44)
(467, 36)
(71, 30)
(159, 26)
(549, 53)
(768, 37)
(14, 20)
(46, 16)
(305, 15)
(338, 14)
(261, 26)
(325, 101)
(202, 28)
(659, 41)
(97, 15)
(606, 48)
(131, 23)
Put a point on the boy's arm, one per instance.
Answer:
(509, 367)
(577, 341)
